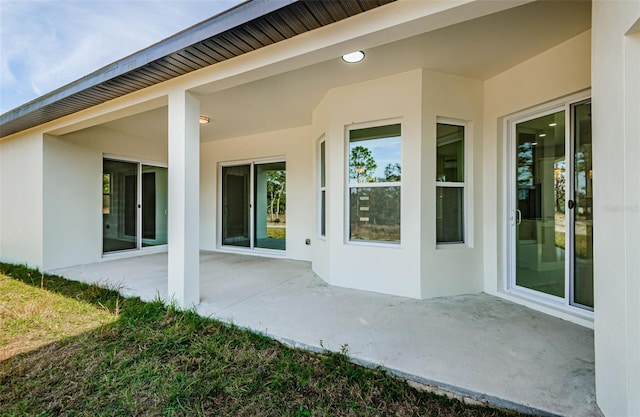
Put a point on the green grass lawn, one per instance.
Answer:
(68, 348)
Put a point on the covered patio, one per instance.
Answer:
(475, 346)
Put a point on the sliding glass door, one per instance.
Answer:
(236, 184)
(253, 202)
(119, 201)
(582, 289)
(134, 205)
(270, 216)
(551, 217)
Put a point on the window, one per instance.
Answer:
(323, 190)
(374, 183)
(450, 183)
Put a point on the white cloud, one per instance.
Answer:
(46, 44)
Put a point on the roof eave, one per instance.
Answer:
(234, 17)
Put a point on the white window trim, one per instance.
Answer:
(321, 188)
(466, 185)
(349, 186)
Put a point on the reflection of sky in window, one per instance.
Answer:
(384, 151)
(581, 174)
(581, 183)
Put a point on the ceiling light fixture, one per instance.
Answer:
(542, 135)
(204, 120)
(552, 124)
(353, 57)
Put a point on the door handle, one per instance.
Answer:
(571, 204)
(518, 217)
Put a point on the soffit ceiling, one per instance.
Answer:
(479, 49)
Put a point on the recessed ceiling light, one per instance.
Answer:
(542, 135)
(534, 143)
(204, 120)
(552, 124)
(353, 57)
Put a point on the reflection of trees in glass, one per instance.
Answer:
(392, 172)
(559, 184)
(375, 210)
(581, 171)
(525, 164)
(106, 183)
(375, 213)
(387, 204)
(276, 194)
(362, 165)
(106, 193)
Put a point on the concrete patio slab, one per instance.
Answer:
(477, 346)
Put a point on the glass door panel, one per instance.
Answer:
(148, 206)
(236, 205)
(154, 205)
(583, 213)
(540, 204)
(270, 180)
(119, 205)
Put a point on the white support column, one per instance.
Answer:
(184, 199)
(616, 174)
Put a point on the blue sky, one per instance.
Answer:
(385, 151)
(45, 44)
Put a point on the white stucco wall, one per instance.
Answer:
(416, 268)
(556, 73)
(72, 206)
(451, 269)
(616, 145)
(392, 269)
(296, 148)
(73, 190)
(21, 199)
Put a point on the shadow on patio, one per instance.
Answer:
(477, 346)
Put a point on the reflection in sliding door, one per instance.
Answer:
(540, 174)
(235, 205)
(253, 205)
(119, 195)
(583, 214)
(134, 205)
(270, 205)
(552, 206)
(154, 205)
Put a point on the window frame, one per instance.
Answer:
(465, 185)
(322, 187)
(349, 186)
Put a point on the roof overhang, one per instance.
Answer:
(245, 28)
(270, 90)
